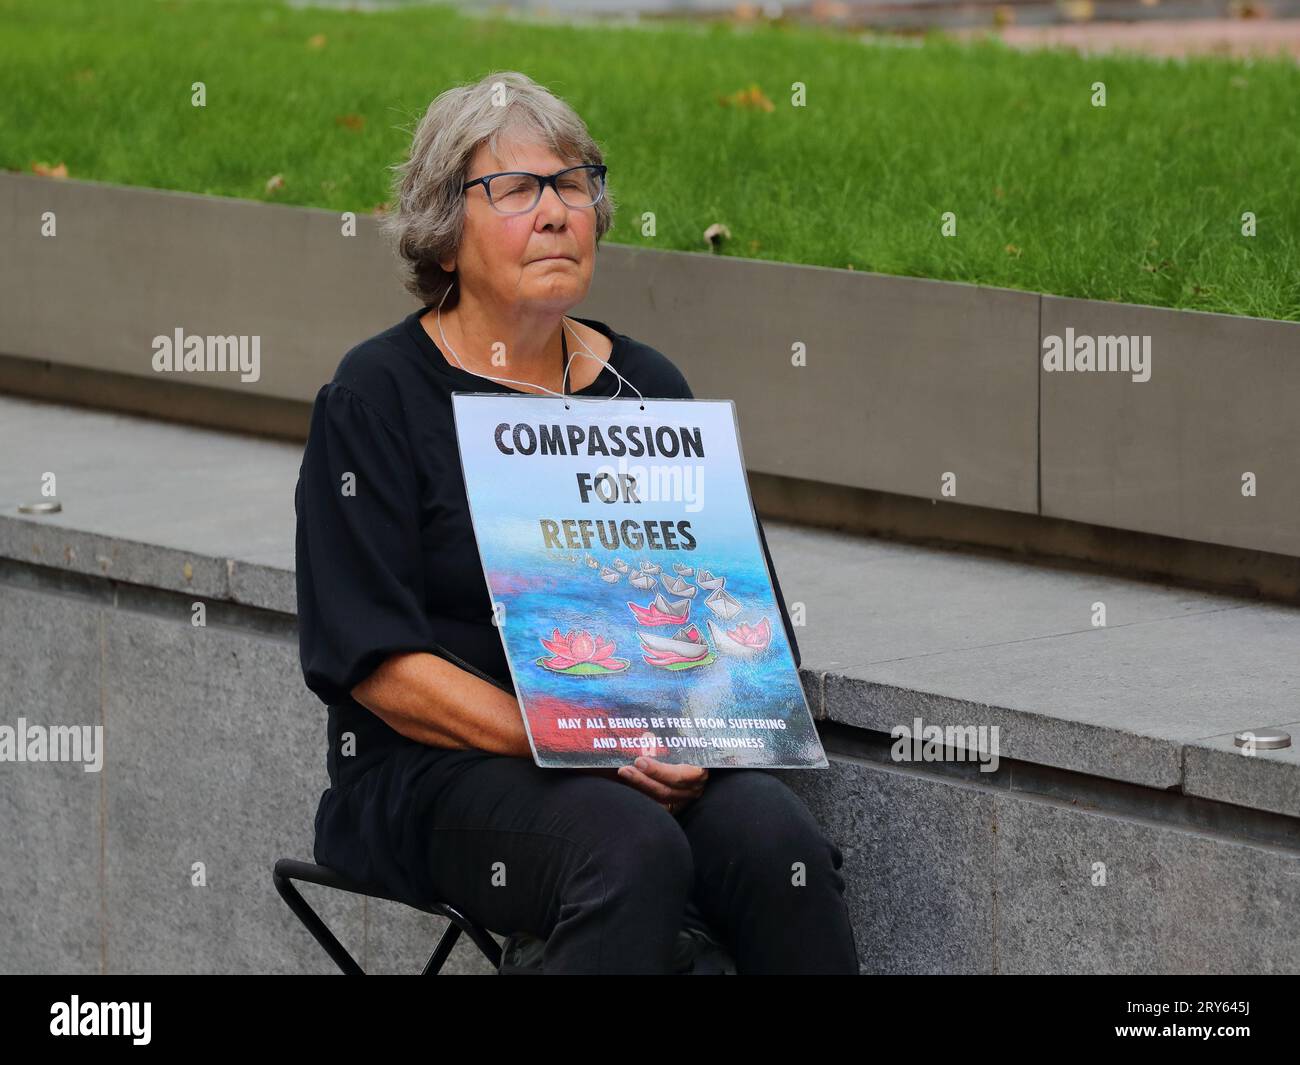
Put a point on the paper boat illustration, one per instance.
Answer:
(678, 586)
(649, 567)
(686, 646)
(681, 607)
(724, 605)
(609, 575)
(621, 566)
(592, 562)
(644, 581)
(684, 571)
(744, 641)
(661, 611)
(708, 581)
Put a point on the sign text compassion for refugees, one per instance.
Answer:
(526, 440)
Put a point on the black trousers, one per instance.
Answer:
(595, 867)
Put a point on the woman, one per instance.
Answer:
(433, 792)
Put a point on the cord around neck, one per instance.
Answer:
(585, 351)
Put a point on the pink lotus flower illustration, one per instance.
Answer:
(581, 653)
(744, 641)
(759, 635)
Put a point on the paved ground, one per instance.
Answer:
(1238, 37)
(1163, 36)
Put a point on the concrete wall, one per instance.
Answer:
(215, 753)
(1167, 455)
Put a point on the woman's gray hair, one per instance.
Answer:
(429, 217)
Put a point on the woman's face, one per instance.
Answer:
(508, 260)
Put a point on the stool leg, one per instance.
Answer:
(446, 942)
(458, 923)
(316, 926)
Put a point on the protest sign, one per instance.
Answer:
(623, 561)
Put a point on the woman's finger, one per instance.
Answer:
(655, 789)
(658, 791)
(674, 775)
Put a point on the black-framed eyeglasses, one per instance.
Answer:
(519, 191)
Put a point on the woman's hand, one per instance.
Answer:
(672, 786)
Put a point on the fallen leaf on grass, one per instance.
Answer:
(751, 97)
(317, 41)
(275, 183)
(356, 122)
(45, 170)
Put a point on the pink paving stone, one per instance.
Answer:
(1228, 37)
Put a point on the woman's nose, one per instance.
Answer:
(551, 203)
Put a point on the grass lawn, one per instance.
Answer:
(1139, 201)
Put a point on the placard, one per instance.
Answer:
(627, 578)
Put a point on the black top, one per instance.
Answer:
(395, 567)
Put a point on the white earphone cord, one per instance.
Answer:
(564, 381)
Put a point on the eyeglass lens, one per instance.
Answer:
(514, 193)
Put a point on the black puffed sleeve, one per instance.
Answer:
(358, 559)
